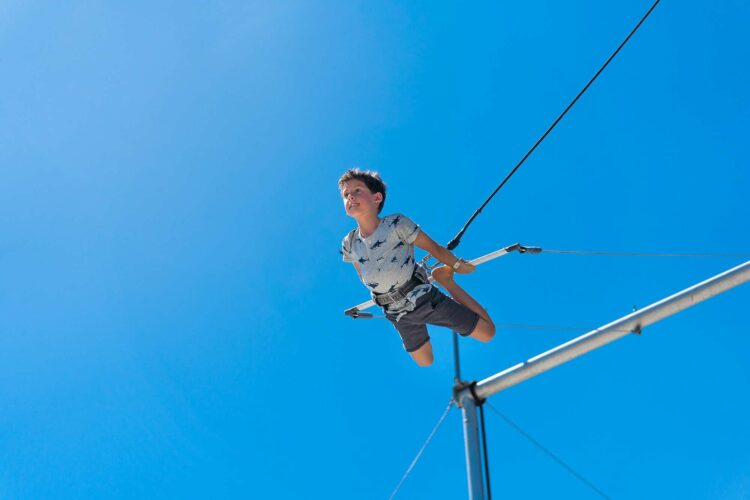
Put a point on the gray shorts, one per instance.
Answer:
(433, 308)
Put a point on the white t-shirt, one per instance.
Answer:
(386, 259)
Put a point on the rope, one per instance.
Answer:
(548, 453)
(358, 313)
(421, 450)
(549, 327)
(457, 239)
(520, 326)
(647, 254)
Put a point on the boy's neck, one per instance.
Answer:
(368, 224)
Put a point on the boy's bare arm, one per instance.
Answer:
(441, 253)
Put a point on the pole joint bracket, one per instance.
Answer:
(461, 386)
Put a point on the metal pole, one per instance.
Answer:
(632, 323)
(471, 442)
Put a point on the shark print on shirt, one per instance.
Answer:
(386, 258)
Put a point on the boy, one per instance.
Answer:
(382, 251)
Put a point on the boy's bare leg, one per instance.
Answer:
(423, 355)
(485, 328)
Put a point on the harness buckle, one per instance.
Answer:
(419, 277)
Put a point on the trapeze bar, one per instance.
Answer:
(354, 311)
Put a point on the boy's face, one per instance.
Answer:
(359, 200)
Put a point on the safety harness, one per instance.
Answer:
(418, 278)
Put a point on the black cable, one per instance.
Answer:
(457, 239)
(456, 359)
(549, 453)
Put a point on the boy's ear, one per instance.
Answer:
(378, 197)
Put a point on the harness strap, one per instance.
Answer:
(418, 278)
(350, 239)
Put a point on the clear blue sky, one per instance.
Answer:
(172, 294)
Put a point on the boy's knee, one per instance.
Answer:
(490, 330)
(485, 330)
(424, 362)
(423, 356)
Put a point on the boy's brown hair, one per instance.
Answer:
(371, 179)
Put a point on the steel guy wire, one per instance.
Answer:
(548, 452)
(421, 450)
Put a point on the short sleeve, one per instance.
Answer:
(346, 248)
(406, 229)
